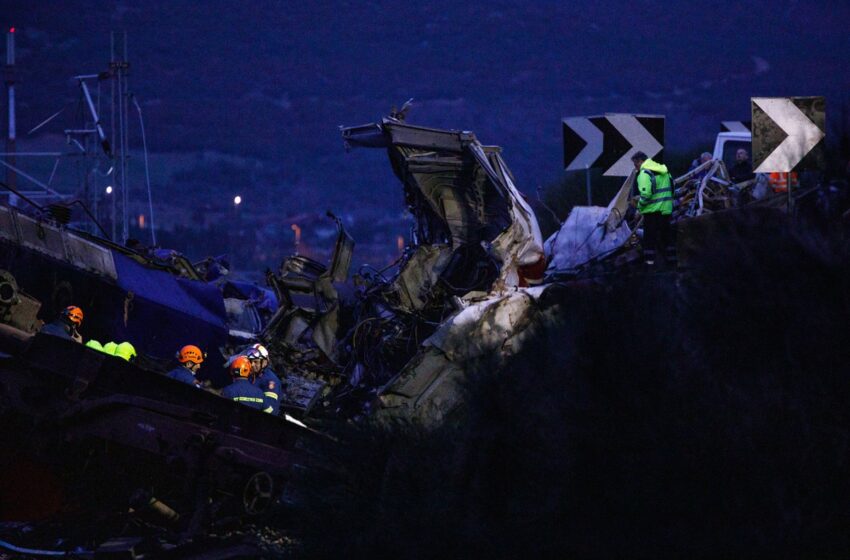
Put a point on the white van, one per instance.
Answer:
(727, 143)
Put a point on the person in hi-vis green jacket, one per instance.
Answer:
(655, 203)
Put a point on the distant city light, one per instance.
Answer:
(109, 189)
(297, 229)
(237, 200)
(141, 221)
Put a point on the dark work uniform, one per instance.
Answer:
(59, 328)
(183, 375)
(741, 171)
(269, 383)
(243, 392)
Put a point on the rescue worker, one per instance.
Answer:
(66, 325)
(190, 358)
(125, 351)
(743, 168)
(704, 157)
(779, 181)
(241, 390)
(264, 377)
(655, 203)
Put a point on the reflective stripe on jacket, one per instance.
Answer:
(655, 189)
(270, 384)
(242, 391)
(778, 181)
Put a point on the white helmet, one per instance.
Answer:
(262, 350)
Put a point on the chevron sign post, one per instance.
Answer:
(788, 134)
(608, 141)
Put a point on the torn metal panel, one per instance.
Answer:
(308, 316)
(460, 193)
(486, 327)
(364, 136)
(242, 318)
(590, 233)
(583, 238)
(413, 286)
(521, 244)
(325, 331)
(429, 387)
(58, 243)
(343, 252)
(619, 206)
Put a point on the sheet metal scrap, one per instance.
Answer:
(492, 327)
(708, 188)
(302, 334)
(590, 234)
(461, 193)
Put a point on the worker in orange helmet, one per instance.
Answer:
(242, 390)
(190, 357)
(66, 325)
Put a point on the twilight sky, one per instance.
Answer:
(247, 96)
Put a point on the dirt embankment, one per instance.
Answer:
(697, 414)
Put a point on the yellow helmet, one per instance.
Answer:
(125, 351)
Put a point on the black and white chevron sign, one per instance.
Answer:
(788, 133)
(608, 141)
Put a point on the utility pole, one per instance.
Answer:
(9, 77)
(119, 69)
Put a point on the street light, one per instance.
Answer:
(237, 200)
(109, 189)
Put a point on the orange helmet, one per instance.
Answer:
(240, 367)
(190, 353)
(74, 314)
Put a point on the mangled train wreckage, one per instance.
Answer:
(392, 343)
(137, 444)
(475, 239)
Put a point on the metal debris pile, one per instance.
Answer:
(347, 345)
(707, 188)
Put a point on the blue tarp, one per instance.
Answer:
(168, 312)
(196, 299)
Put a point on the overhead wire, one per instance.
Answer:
(147, 171)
